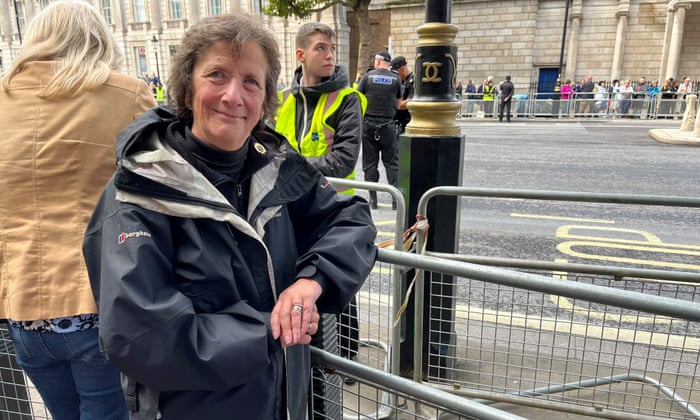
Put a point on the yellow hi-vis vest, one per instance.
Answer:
(489, 92)
(318, 141)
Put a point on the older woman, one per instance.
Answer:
(63, 104)
(215, 244)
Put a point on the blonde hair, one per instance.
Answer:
(74, 35)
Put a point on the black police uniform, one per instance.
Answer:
(403, 116)
(382, 87)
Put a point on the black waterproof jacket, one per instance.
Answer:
(185, 284)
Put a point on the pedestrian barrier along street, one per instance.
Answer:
(591, 339)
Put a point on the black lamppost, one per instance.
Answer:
(557, 85)
(432, 154)
(154, 40)
(17, 20)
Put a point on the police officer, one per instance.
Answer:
(507, 91)
(382, 87)
(400, 67)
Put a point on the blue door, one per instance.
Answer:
(546, 82)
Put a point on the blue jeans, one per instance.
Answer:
(75, 381)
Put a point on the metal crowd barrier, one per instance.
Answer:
(546, 335)
(578, 337)
(578, 105)
(372, 397)
(587, 339)
(512, 353)
(19, 400)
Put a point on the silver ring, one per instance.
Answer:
(298, 307)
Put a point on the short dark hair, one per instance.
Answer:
(236, 29)
(307, 30)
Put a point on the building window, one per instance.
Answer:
(43, 4)
(141, 61)
(214, 7)
(139, 11)
(107, 10)
(175, 9)
(258, 6)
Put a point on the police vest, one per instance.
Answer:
(319, 139)
(381, 88)
(160, 94)
(488, 92)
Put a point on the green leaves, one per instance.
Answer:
(298, 8)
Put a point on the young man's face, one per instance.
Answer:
(318, 60)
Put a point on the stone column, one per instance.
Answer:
(571, 54)
(572, 51)
(621, 14)
(7, 24)
(156, 20)
(194, 12)
(33, 9)
(121, 24)
(667, 39)
(674, 48)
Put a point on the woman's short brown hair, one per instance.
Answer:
(233, 28)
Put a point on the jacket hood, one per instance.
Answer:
(155, 119)
(338, 80)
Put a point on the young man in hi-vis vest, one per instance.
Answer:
(321, 117)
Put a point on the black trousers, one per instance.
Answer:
(504, 107)
(380, 139)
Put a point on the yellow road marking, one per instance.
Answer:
(567, 249)
(571, 219)
(648, 243)
(472, 313)
(384, 222)
(564, 302)
(648, 238)
(673, 341)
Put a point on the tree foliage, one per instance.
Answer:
(304, 8)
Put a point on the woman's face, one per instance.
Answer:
(228, 94)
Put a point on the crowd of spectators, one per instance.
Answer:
(587, 97)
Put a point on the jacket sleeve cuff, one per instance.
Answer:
(313, 273)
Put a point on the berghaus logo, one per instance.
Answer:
(122, 237)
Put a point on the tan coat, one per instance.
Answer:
(55, 158)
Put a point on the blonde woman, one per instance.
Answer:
(626, 92)
(63, 104)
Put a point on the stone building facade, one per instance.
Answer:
(608, 39)
(149, 31)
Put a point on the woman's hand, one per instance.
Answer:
(295, 317)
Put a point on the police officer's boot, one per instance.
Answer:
(373, 199)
